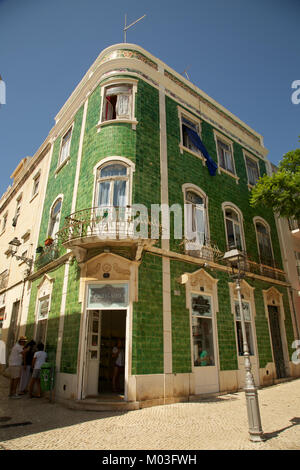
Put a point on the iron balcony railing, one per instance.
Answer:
(49, 253)
(266, 267)
(109, 223)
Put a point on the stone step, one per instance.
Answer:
(97, 405)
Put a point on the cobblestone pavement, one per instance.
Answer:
(214, 423)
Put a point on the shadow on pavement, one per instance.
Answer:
(271, 435)
(25, 416)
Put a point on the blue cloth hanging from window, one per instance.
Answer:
(195, 139)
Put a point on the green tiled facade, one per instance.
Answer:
(143, 147)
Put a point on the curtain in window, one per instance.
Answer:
(234, 237)
(252, 171)
(195, 139)
(199, 215)
(225, 156)
(119, 193)
(228, 161)
(195, 223)
(123, 106)
(113, 170)
(104, 194)
(65, 148)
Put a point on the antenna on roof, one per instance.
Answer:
(186, 74)
(129, 26)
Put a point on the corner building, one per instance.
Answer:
(136, 132)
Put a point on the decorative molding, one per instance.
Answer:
(128, 54)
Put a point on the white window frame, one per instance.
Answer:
(248, 156)
(209, 317)
(182, 113)
(263, 222)
(119, 82)
(36, 178)
(59, 197)
(18, 209)
(190, 245)
(220, 137)
(61, 163)
(233, 207)
(4, 222)
(111, 161)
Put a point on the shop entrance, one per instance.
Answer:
(106, 346)
(276, 341)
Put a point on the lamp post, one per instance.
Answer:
(16, 243)
(237, 261)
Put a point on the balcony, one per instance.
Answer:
(207, 252)
(108, 227)
(49, 254)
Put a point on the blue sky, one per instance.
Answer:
(244, 54)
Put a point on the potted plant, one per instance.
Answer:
(48, 241)
(39, 249)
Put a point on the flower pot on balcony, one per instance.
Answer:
(39, 249)
(48, 241)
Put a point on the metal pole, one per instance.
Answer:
(254, 421)
(125, 29)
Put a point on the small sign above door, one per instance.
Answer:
(107, 296)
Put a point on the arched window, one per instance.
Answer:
(234, 229)
(196, 226)
(55, 218)
(264, 243)
(112, 185)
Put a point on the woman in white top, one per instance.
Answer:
(38, 360)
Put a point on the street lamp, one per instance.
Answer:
(237, 261)
(14, 244)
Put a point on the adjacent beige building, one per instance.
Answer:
(20, 214)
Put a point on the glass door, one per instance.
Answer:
(93, 352)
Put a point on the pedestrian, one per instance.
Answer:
(28, 353)
(15, 363)
(118, 356)
(39, 358)
(2, 356)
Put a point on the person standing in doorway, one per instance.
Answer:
(119, 359)
(15, 363)
(28, 353)
(39, 358)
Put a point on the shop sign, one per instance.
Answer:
(108, 296)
